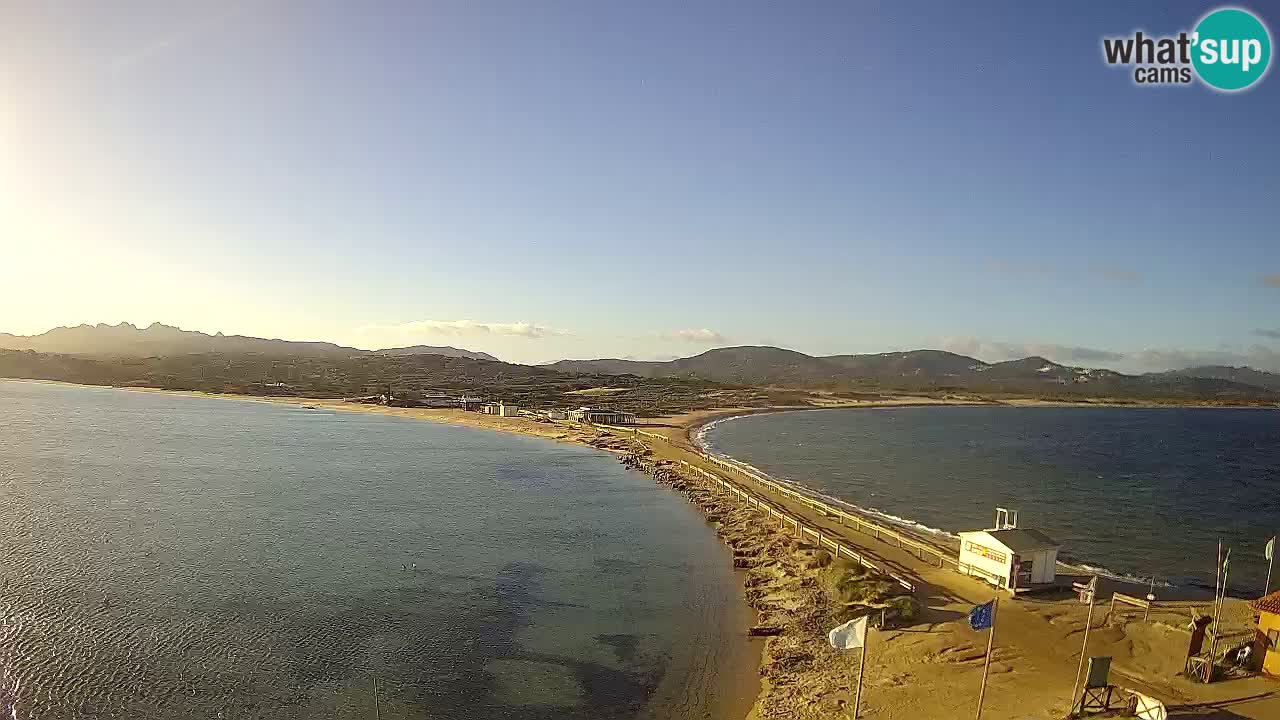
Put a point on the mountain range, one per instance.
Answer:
(936, 370)
(158, 339)
(748, 366)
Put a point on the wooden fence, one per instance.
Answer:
(847, 519)
(802, 529)
(1131, 601)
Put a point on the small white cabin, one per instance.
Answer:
(500, 409)
(1010, 558)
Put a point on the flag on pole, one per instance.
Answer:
(1092, 590)
(982, 616)
(850, 635)
(1271, 548)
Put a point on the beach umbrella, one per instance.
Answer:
(850, 636)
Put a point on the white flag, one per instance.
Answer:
(850, 635)
(1271, 548)
(1092, 589)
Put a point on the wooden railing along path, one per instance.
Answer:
(860, 523)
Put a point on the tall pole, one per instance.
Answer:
(1271, 559)
(1270, 562)
(1213, 646)
(862, 665)
(1084, 650)
(986, 667)
(377, 708)
(1217, 578)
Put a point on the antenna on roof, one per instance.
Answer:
(1006, 519)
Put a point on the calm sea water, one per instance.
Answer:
(1136, 491)
(174, 557)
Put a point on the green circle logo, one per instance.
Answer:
(1232, 49)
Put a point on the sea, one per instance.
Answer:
(164, 556)
(1137, 493)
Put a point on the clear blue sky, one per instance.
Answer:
(582, 179)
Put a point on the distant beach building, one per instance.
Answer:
(1007, 556)
(602, 417)
(556, 414)
(500, 409)
(438, 400)
(1267, 644)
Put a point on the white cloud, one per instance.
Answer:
(462, 328)
(697, 335)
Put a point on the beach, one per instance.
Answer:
(933, 668)
(929, 667)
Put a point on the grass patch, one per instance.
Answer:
(903, 609)
(849, 583)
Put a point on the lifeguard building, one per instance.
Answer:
(1007, 556)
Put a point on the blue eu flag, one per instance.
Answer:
(981, 616)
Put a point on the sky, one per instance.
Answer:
(547, 180)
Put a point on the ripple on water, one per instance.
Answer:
(167, 557)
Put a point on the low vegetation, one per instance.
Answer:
(410, 377)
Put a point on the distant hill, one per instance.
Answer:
(445, 351)
(157, 339)
(165, 356)
(748, 365)
(609, 366)
(933, 370)
(411, 376)
(1246, 375)
(916, 363)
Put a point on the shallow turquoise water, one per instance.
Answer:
(173, 557)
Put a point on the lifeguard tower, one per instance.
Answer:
(1009, 557)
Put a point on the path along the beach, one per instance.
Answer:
(933, 670)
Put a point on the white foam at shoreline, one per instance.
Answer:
(700, 440)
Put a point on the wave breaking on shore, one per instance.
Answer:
(701, 440)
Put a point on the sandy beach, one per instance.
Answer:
(926, 667)
(931, 667)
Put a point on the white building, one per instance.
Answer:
(500, 409)
(1011, 558)
(602, 417)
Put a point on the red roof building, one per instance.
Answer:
(1268, 638)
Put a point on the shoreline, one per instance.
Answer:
(736, 691)
(923, 675)
(907, 525)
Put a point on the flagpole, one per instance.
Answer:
(862, 665)
(1271, 559)
(991, 639)
(1213, 647)
(1217, 578)
(1084, 649)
